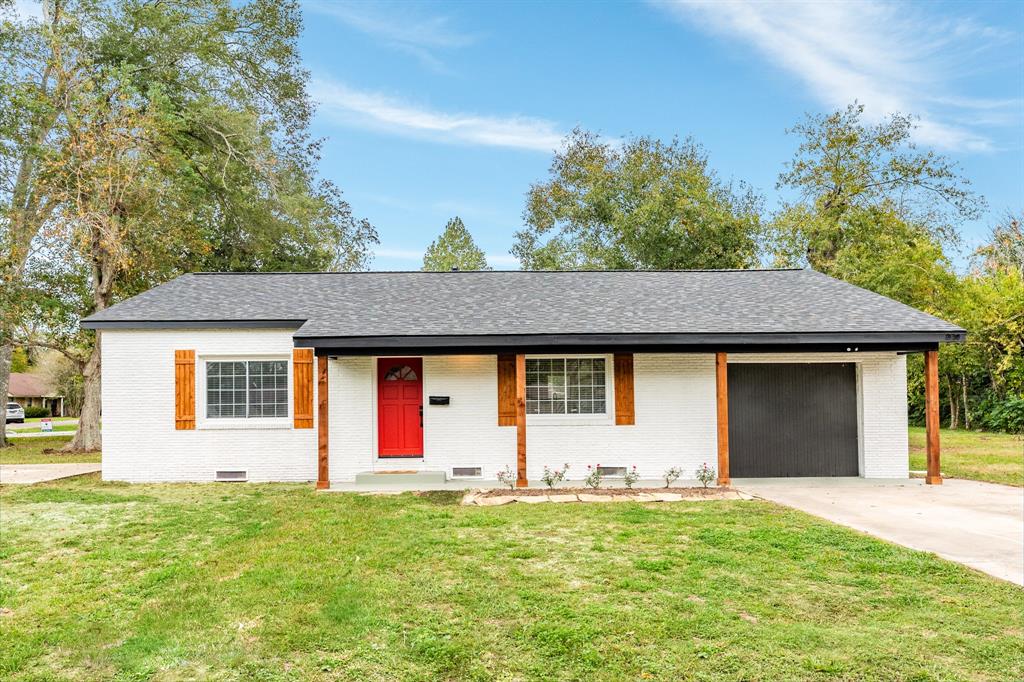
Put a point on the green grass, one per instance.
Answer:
(30, 451)
(977, 455)
(57, 426)
(277, 582)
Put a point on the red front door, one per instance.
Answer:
(400, 407)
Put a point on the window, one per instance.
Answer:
(565, 386)
(253, 388)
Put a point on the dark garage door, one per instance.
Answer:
(792, 420)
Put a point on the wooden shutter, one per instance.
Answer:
(624, 411)
(302, 387)
(184, 390)
(507, 390)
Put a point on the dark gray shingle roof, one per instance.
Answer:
(516, 303)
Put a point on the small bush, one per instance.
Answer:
(553, 477)
(507, 477)
(705, 474)
(36, 412)
(594, 476)
(631, 477)
(671, 476)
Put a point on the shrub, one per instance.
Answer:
(671, 476)
(36, 412)
(507, 477)
(594, 476)
(705, 474)
(631, 477)
(553, 477)
(1004, 415)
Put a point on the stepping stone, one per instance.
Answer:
(531, 499)
(494, 501)
(591, 497)
(646, 497)
(563, 498)
(667, 497)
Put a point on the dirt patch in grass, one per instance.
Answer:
(540, 492)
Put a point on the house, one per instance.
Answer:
(30, 390)
(339, 377)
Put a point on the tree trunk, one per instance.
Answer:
(5, 375)
(967, 413)
(88, 436)
(954, 413)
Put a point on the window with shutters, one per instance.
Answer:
(246, 389)
(567, 386)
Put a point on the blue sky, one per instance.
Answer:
(437, 109)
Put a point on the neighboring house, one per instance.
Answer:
(30, 390)
(462, 374)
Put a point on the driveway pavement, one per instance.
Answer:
(977, 524)
(37, 473)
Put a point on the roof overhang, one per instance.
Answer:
(191, 324)
(652, 343)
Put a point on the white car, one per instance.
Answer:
(15, 413)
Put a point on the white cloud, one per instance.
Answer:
(382, 113)
(888, 57)
(401, 26)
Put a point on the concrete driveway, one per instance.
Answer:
(977, 524)
(38, 473)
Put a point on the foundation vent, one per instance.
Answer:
(612, 471)
(232, 475)
(466, 472)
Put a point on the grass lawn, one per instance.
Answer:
(980, 456)
(57, 426)
(30, 451)
(250, 582)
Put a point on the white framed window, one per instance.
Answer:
(567, 386)
(236, 388)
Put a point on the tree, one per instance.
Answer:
(644, 204)
(1005, 247)
(454, 250)
(181, 142)
(844, 172)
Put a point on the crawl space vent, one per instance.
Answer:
(612, 471)
(231, 475)
(465, 472)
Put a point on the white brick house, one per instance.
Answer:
(329, 377)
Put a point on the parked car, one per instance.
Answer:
(15, 413)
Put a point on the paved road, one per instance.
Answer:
(977, 524)
(37, 473)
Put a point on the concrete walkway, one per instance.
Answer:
(977, 524)
(38, 473)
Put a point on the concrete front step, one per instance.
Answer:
(403, 479)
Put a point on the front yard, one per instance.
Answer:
(33, 450)
(275, 582)
(976, 455)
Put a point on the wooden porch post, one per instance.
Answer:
(931, 416)
(521, 481)
(722, 403)
(323, 480)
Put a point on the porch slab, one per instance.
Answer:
(422, 480)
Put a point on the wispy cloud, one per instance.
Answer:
(382, 113)
(891, 58)
(401, 26)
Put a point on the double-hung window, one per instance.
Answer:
(565, 386)
(246, 389)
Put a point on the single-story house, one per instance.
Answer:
(338, 377)
(30, 390)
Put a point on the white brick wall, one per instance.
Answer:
(675, 416)
(139, 439)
